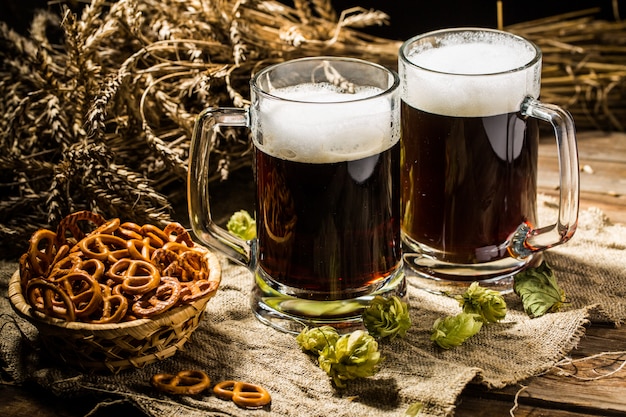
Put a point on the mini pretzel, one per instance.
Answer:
(175, 232)
(197, 289)
(73, 263)
(129, 230)
(107, 248)
(83, 290)
(157, 301)
(70, 223)
(141, 248)
(113, 308)
(49, 299)
(156, 235)
(134, 275)
(183, 383)
(41, 252)
(243, 394)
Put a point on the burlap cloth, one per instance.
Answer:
(232, 344)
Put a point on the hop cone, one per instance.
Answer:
(354, 355)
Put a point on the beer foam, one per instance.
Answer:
(482, 77)
(317, 123)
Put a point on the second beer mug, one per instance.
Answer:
(326, 137)
(469, 157)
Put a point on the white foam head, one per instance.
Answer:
(470, 74)
(316, 123)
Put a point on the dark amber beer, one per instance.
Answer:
(329, 230)
(469, 155)
(470, 181)
(328, 213)
(326, 135)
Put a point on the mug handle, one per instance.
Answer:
(208, 232)
(528, 240)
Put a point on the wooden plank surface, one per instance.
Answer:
(603, 172)
(551, 394)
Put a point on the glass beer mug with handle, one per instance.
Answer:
(326, 136)
(469, 158)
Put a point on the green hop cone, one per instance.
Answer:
(354, 355)
(316, 339)
(242, 224)
(387, 317)
(539, 291)
(489, 304)
(451, 331)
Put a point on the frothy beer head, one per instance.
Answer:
(469, 73)
(318, 123)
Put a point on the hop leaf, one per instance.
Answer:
(539, 291)
(354, 355)
(316, 339)
(387, 317)
(489, 304)
(242, 224)
(451, 331)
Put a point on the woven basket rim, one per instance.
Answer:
(21, 306)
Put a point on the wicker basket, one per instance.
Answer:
(116, 346)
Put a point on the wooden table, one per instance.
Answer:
(603, 185)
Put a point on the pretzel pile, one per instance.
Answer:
(115, 272)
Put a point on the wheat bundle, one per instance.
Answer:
(98, 104)
(584, 66)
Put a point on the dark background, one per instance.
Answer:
(411, 17)
(408, 17)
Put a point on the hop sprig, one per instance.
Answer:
(316, 339)
(452, 331)
(354, 355)
(387, 317)
(489, 304)
(242, 224)
(349, 356)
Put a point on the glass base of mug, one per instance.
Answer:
(292, 314)
(435, 276)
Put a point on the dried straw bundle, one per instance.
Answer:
(101, 120)
(584, 66)
(98, 105)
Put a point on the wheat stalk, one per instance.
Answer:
(100, 116)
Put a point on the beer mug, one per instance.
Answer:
(326, 136)
(469, 158)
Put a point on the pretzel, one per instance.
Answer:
(107, 227)
(70, 223)
(113, 307)
(25, 270)
(41, 252)
(74, 262)
(134, 275)
(83, 290)
(243, 394)
(49, 299)
(129, 230)
(185, 263)
(164, 297)
(141, 248)
(175, 232)
(108, 248)
(183, 383)
(156, 235)
(197, 289)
